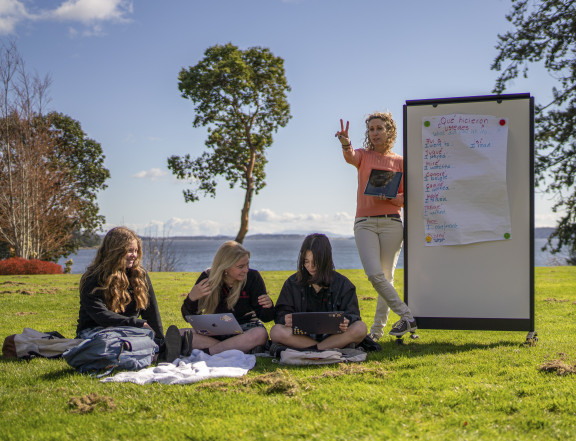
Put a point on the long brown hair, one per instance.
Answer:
(390, 126)
(319, 245)
(109, 268)
(226, 257)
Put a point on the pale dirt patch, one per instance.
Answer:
(91, 402)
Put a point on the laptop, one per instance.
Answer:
(214, 324)
(304, 323)
(383, 183)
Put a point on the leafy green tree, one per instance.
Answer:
(50, 171)
(545, 34)
(84, 159)
(241, 97)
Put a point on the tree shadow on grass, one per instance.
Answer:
(393, 351)
(417, 348)
(59, 374)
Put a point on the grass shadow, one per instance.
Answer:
(59, 374)
(419, 348)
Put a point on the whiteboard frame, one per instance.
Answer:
(480, 286)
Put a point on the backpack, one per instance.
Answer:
(31, 343)
(107, 349)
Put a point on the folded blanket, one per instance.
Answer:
(196, 367)
(298, 357)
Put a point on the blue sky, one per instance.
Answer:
(115, 64)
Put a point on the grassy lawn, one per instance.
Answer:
(447, 385)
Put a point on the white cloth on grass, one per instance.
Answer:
(196, 367)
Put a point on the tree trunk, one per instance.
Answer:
(247, 199)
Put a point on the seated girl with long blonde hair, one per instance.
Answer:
(230, 286)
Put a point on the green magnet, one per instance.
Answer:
(426, 123)
(506, 235)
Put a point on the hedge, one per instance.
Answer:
(18, 265)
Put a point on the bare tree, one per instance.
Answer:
(159, 253)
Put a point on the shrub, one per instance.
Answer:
(18, 265)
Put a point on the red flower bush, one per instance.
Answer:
(18, 266)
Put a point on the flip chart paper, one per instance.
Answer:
(465, 191)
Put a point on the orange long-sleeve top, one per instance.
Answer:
(366, 161)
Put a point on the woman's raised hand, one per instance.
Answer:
(342, 134)
(201, 289)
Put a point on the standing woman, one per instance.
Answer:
(230, 286)
(378, 226)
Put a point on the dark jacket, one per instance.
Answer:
(247, 308)
(341, 297)
(94, 312)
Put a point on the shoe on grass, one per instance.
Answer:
(403, 326)
(187, 337)
(369, 345)
(260, 349)
(276, 348)
(173, 342)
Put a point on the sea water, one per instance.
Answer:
(273, 254)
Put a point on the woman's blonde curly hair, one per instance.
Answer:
(391, 129)
(109, 268)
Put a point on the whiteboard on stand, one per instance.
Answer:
(469, 212)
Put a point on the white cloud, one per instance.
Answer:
(11, 13)
(153, 174)
(263, 221)
(267, 221)
(267, 215)
(178, 227)
(91, 13)
(192, 227)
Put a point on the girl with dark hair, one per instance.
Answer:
(230, 286)
(378, 228)
(115, 291)
(316, 287)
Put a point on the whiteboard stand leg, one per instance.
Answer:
(531, 339)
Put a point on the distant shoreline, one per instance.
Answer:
(539, 233)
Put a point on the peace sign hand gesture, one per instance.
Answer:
(342, 135)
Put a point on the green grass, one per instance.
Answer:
(448, 385)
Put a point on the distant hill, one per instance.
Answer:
(543, 233)
(539, 233)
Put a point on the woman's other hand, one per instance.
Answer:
(398, 200)
(288, 320)
(265, 301)
(344, 325)
(201, 289)
(147, 326)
